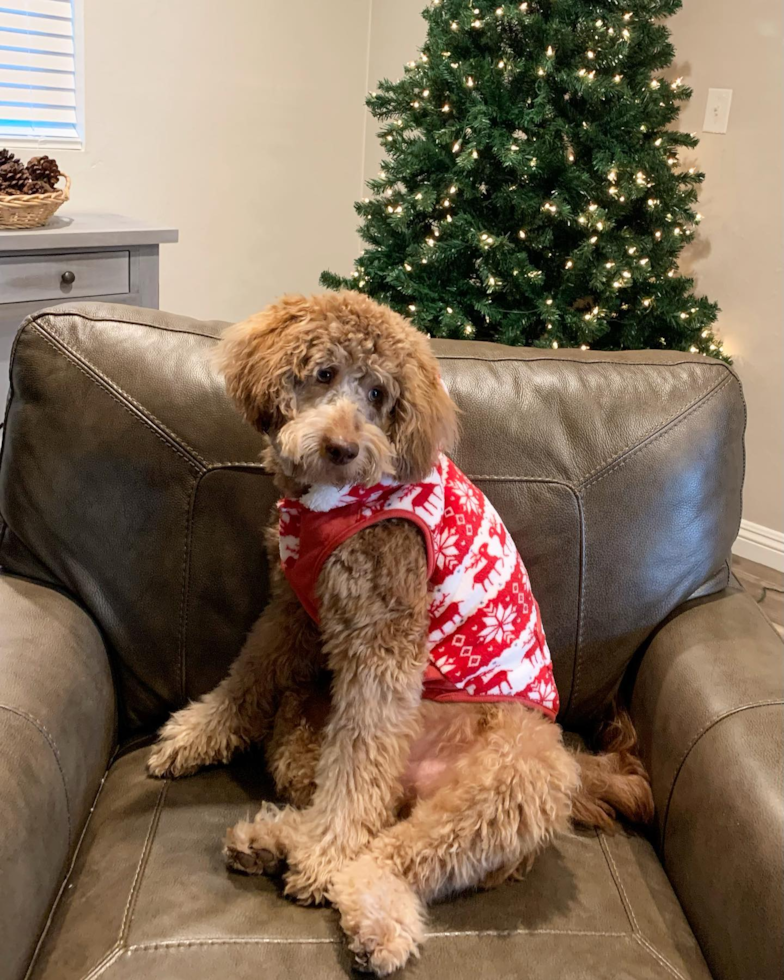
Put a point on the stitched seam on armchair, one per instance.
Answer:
(42, 730)
(638, 935)
(124, 400)
(117, 319)
(187, 555)
(69, 872)
(772, 702)
(620, 459)
(660, 433)
(121, 946)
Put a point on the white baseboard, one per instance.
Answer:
(760, 544)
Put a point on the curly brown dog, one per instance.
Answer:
(397, 800)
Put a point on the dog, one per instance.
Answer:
(403, 784)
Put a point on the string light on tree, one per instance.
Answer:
(611, 234)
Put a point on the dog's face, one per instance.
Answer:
(346, 390)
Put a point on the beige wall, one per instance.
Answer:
(739, 258)
(239, 122)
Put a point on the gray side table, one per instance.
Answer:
(76, 256)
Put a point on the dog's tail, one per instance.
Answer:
(614, 782)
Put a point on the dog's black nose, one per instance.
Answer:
(341, 453)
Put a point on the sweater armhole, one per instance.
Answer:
(384, 515)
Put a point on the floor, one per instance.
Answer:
(766, 586)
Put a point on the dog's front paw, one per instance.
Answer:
(380, 914)
(260, 847)
(173, 756)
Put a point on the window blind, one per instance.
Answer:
(37, 70)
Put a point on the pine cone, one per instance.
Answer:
(36, 187)
(13, 178)
(43, 169)
(6, 156)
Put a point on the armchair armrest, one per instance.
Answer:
(57, 730)
(708, 706)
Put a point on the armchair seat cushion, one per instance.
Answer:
(149, 896)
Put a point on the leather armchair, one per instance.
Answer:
(132, 509)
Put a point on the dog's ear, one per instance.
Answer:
(425, 417)
(257, 358)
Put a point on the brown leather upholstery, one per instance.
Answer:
(128, 482)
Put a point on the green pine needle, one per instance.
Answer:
(533, 191)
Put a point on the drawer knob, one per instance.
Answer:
(67, 278)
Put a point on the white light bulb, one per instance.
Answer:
(549, 302)
(693, 349)
(412, 307)
(501, 64)
(593, 240)
(407, 267)
(426, 92)
(569, 264)
(445, 107)
(583, 347)
(555, 345)
(617, 78)
(592, 207)
(590, 55)
(449, 309)
(631, 250)
(550, 51)
(474, 154)
(470, 82)
(521, 233)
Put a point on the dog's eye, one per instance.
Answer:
(325, 375)
(375, 395)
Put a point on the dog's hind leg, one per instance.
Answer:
(495, 810)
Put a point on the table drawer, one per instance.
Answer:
(41, 277)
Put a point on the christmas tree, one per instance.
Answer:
(532, 192)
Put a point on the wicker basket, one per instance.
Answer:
(31, 210)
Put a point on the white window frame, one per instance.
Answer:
(42, 142)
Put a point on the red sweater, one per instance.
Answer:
(486, 639)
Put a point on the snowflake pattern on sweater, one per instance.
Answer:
(485, 638)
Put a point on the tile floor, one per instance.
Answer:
(766, 586)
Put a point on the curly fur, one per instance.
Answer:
(396, 801)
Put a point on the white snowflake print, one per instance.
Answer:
(499, 624)
(465, 494)
(544, 692)
(445, 541)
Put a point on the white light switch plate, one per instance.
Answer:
(717, 111)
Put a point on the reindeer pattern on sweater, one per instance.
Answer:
(485, 637)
